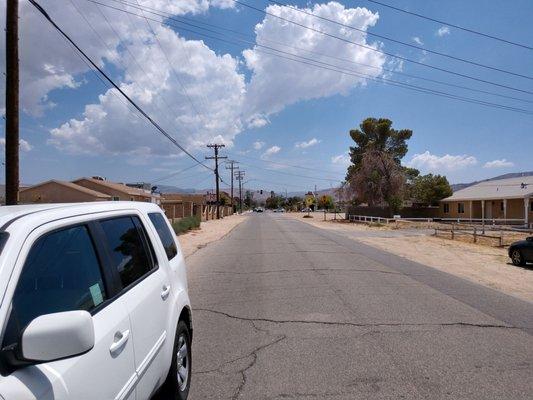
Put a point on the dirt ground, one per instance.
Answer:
(486, 265)
(209, 231)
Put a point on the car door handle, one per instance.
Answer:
(165, 292)
(120, 340)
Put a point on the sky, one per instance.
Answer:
(218, 71)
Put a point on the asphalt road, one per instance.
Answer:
(284, 310)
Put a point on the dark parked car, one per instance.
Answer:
(522, 251)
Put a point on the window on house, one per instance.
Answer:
(116, 198)
(531, 206)
(501, 206)
(446, 208)
(460, 208)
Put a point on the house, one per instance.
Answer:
(118, 191)
(507, 200)
(55, 191)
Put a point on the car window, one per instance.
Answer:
(129, 252)
(61, 273)
(166, 236)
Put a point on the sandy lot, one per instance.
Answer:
(209, 231)
(488, 266)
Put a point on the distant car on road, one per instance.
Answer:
(95, 303)
(522, 251)
(259, 209)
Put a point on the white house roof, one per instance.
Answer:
(511, 188)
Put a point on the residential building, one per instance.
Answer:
(506, 200)
(56, 191)
(119, 191)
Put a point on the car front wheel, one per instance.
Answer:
(516, 257)
(178, 382)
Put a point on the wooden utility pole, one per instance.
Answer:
(216, 157)
(239, 175)
(232, 167)
(12, 103)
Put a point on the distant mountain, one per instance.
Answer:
(459, 186)
(173, 189)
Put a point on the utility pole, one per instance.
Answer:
(232, 167)
(217, 177)
(239, 175)
(12, 103)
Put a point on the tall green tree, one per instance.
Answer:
(377, 134)
(430, 189)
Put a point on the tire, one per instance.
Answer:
(517, 258)
(178, 382)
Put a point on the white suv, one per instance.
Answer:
(93, 303)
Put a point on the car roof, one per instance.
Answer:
(9, 214)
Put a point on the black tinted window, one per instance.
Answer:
(61, 273)
(128, 250)
(166, 236)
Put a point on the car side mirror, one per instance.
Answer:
(55, 336)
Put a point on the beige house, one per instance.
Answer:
(55, 191)
(118, 191)
(504, 200)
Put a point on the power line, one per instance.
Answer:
(168, 176)
(179, 20)
(285, 165)
(291, 174)
(155, 124)
(379, 51)
(452, 25)
(338, 69)
(460, 59)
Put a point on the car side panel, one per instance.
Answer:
(85, 377)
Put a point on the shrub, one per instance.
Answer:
(307, 216)
(186, 224)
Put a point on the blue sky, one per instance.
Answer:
(302, 114)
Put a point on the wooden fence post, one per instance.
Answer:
(453, 232)
(475, 234)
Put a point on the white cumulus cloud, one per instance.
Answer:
(258, 145)
(503, 163)
(433, 163)
(417, 40)
(270, 151)
(309, 143)
(195, 93)
(278, 82)
(443, 31)
(341, 159)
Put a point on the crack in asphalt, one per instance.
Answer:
(356, 324)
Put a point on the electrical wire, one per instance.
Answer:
(452, 25)
(377, 50)
(338, 69)
(184, 20)
(455, 58)
(152, 121)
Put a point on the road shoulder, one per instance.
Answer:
(484, 265)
